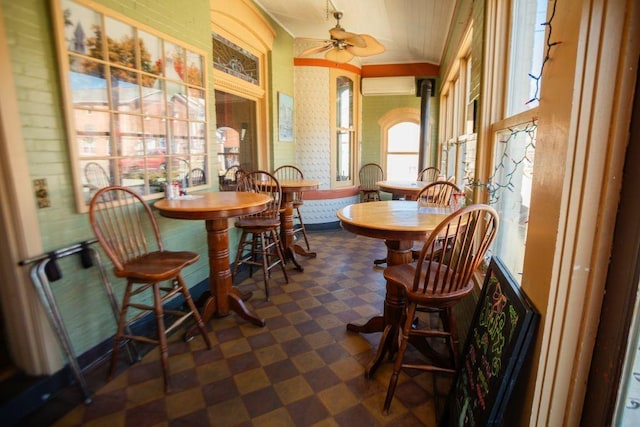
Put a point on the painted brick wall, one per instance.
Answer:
(282, 80)
(312, 132)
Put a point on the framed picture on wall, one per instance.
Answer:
(285, 117)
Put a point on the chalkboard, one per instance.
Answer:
(499, 337)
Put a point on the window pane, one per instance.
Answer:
(197, 138)
(82, 29)
(451, 160)
(150, 53)
(196, 104)
(92, 131)
(155, 134)
(175, 57)
(120, 43)
(402, 167)
(343, 172)
(194, 69)
(128, 134)
(88, 86)
(153, 100)
(527, 44)
(468, 164)
(97, 174)
(176, 100)
(510, 193)
(344, 99)
(125, 92)
(179, 136)
(404, 137)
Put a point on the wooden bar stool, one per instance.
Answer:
(294, 173)
(126, 229)
(437, 283)
(259, 243)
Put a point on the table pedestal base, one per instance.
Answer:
(390, 323)
(398, 252)
(222, 296)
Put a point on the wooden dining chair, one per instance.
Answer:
(428, 174)
(369, 174)
(127, 231)
(229, 180)
(197, 177)
(96, 176)
(293, 173)
(438, 193)
(259, 243)
(437, 283)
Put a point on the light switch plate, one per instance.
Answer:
(42, 193)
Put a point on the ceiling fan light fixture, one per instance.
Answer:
(339, 55)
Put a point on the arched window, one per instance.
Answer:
(401, 143)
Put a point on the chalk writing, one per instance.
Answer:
(497, 340)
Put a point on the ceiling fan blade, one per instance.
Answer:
(357, 40)
(339, 55)
(373, 47)
(316, 49)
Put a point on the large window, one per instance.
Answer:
(457, 120)
(513, 131)
(135, 100)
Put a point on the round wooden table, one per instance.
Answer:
(407, 189)
(289, 187)
(215, 208)
(399, 223)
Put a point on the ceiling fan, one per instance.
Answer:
(342, 45)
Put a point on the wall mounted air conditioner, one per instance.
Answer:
(389, 86)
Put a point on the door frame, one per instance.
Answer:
(30, 338)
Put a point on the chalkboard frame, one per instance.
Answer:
(501, 388)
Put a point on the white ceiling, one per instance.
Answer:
(410, 30)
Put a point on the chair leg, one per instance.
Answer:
(236, 263)
(304, 230)
(192, 307)
(397, 366)
(122, 322)
(280, 252)
(162, 338)
(266, 259)
(453, 338)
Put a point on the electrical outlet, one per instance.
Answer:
(42, 193)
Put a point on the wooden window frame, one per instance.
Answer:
(334, 74)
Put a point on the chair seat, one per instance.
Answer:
(157, 266)
(257, 222)
(403, 275)
(298, 203)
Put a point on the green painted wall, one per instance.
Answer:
(281, 66)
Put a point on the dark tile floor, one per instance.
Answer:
(302, 369)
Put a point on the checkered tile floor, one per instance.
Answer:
(302, 369)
